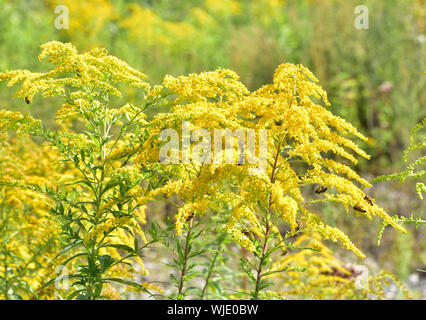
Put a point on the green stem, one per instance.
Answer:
(6, 280)
(267, 229)
(209, 274)
(183, 272)
(262, 259)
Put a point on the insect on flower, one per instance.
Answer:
(320, 189)
(369, 200)
(247, 233)
(191, 215)
(27, 100)
(359, 208)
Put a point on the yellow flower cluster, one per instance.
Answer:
(313, 270)
(315, 273)
(224, 7)
(87, 18)
(107, 226)
(222, 85)
(300, 133)
(18, 122)
(147, 26)
(87, 73)
(29, 236)
(129, 175)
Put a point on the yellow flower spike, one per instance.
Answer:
(90, 68)
(314, 223)
(239, 237)
(30, 234)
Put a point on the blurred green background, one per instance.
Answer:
(374, 77)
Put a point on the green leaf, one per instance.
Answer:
(73, 294)
(68, 247)
(106, 261)
(52, 281)
(120, 247)
(136, 245)
(128, 282)
(73, 257)
(190, 276)
(109, 186)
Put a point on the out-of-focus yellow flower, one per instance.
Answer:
(224, 7)
(87, 18)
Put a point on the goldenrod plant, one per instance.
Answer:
(99, 219)
(30, 237)
(414, 170)
(326, 277)
(300, 131)
(252, 195)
